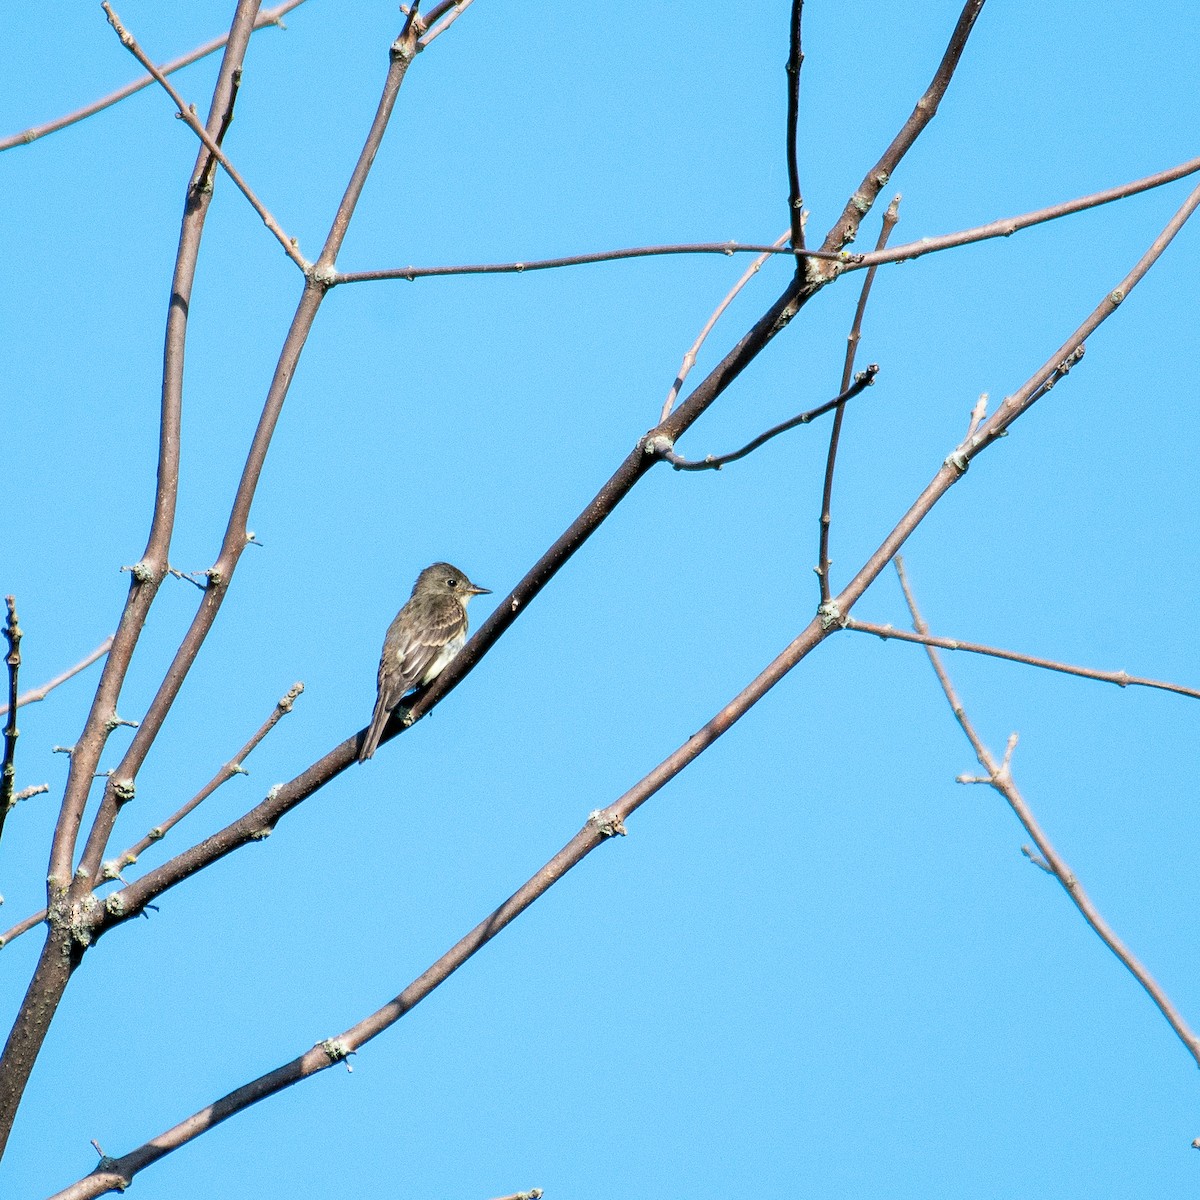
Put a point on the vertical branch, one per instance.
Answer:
(12, 633)
(890, 217)
(62, 951)
(148, 573)
(120, 787)
(795, 199)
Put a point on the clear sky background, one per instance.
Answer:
(817, 966)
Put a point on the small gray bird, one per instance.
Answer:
(426, 634)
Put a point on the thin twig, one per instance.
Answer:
(689, 359)
(660, 446)
(43, 690)
(23, 926)
(575, 260)
(1120, 678)
(273, 16)
(189, 118)
(1002, 227)
(890, 217)
(1007, 226)
(794, 63)
(112, 868)
(8, 771)
(957, 462)
(999, 776)
(435, 31)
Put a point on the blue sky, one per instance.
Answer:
(817, 966)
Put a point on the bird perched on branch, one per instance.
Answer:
(426, 634)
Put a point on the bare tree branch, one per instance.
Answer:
(1120, 678)
(455, 9)
(210, 141)
(63, 948)
(890, 217)
(845, 229)
(1001, 227)
(112, 869)
(8, 766)
(44, 689)
(273, 16)
(1006, 226)
(999, 776)
(259, 821)
(689, 359)
(120, 786)
(666, 451)
(575, 260)
(794, 63)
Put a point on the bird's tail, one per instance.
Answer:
(379, 720)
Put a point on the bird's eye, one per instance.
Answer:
(452, 582)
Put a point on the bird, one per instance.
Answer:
(426, 634)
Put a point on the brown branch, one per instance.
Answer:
(794, 63)
(666, 451)
(999, 776)
(256, 824)
(575, 260)
(458, 7)
(1011, 409)
(8, 767)
(689, 359)
(116, 1174)
(120, 786)
(259, 822)
(62, 950)
(890, 217)
(273, 16)
(283, 706)
(1001, 227)
(1120, 678)
(210, 141)
(112, 869)
(1007, 226)
(845, 228)
(43, 690)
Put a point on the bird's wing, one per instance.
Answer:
(414, 644)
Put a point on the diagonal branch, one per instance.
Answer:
(689, 359)
(999, 776)
(1120, 678)
(273, 16)
(211, 142)
(661, 447)
(845, 228)
(890, 217)
(44, 689)
(113, 868)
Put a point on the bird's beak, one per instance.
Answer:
(478, 591)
